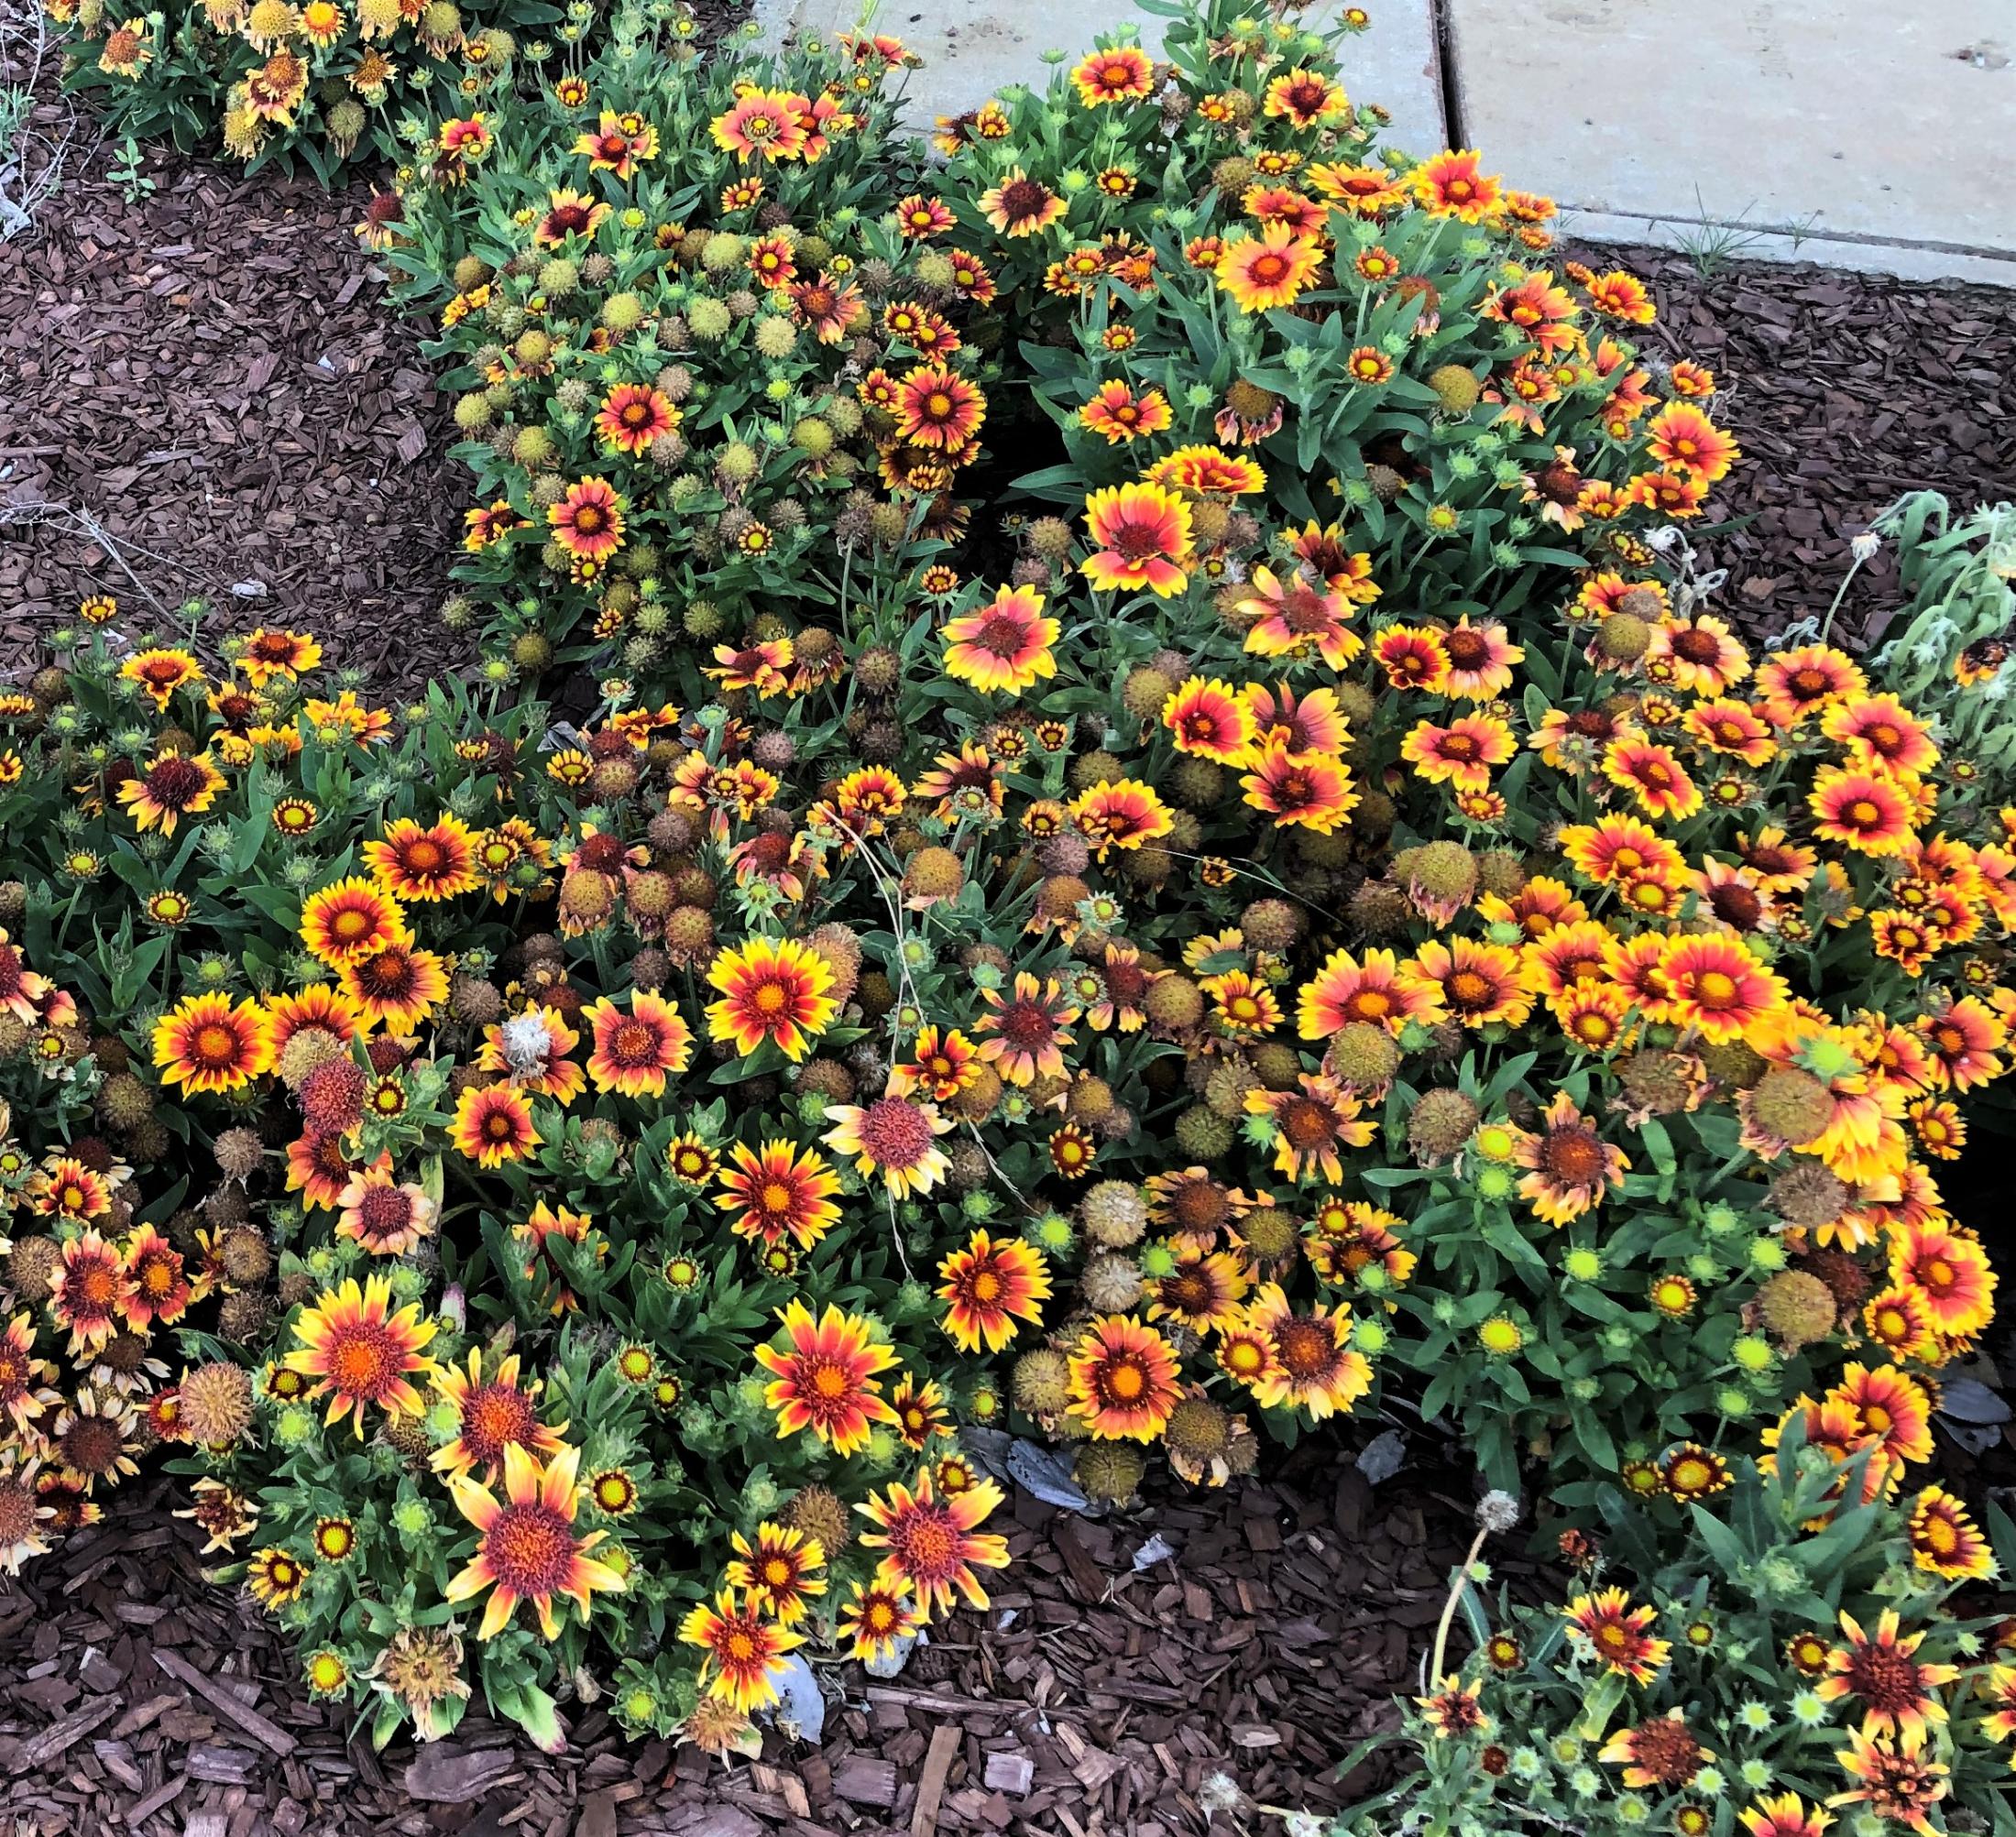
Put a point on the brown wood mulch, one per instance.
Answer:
(1845, 391)
(1093, 1697)
(208, 375)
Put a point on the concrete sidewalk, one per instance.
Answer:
(1838, 131)
(1835, 131)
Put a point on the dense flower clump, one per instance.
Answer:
(1310, 904)
(273, 81)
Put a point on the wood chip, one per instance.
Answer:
(937, 1765)
(63, 1734)
(226, 1703)
(1009, 1772)
(861, 1779)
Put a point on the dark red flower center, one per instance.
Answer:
(384, 1210)
(531, 1547)
(174, 783)
(1572, 1154)
(896, 1133)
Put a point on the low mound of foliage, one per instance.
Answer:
(1103, 800)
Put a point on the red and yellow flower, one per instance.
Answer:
(1310, 790)
(1653, 775)
(1479, 658)
(762, 125)
(1124, 1379)
(1295, 616)
(65, 1189)
(779, 1191)
(1026, 1029)
(360, 1351)
(878, 1618)
(823, 1377)
(1270, 269)
(1700, 655)
(1945, 1540)
(1569, 1165)
(1476, 983)
(633, 416)
(1462, 754)
(532, 1051)
(942, 1064)
(1620, 849)
(351, 919)
(375, 1210)
(210, 1043)
(158, 1289)
(588, 521)
(172, 787)
(1619, 1633)
(396, 985)
(895, 1137)
(936, 407)
(159, 673)
(24, 1393)
(1304, 97)
(1019, 205)
(931, 1543)
(1003, 647)
(1205, 1292)
(1452, 184)
(1124, 73)
(1376, 991)
(1808, 679)
(634, 1054)
(988, 1287)
(1313, 1120)
(745, 1649)
(1141, 539)
(1898, 1781)
(494, 1413)
(1784, 1814)
(779, 1572)
(1682, 439)
(493, 1124)
(1121, 814)
(88, 1299)
(1118, 415)
(1715, 985)
(1211, 719)
(527, 1546)
(423, 863)
(1880, 734)
(1898, 1693)
(1948, 1271)
(771, 989)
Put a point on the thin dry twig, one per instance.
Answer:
(84, 523)
(32, 157)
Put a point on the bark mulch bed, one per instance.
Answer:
(1845, 391)
(208, 376)
(1092, 1697)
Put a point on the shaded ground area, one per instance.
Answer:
(1846, 390)
(1093, 1697)
(203, 384)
